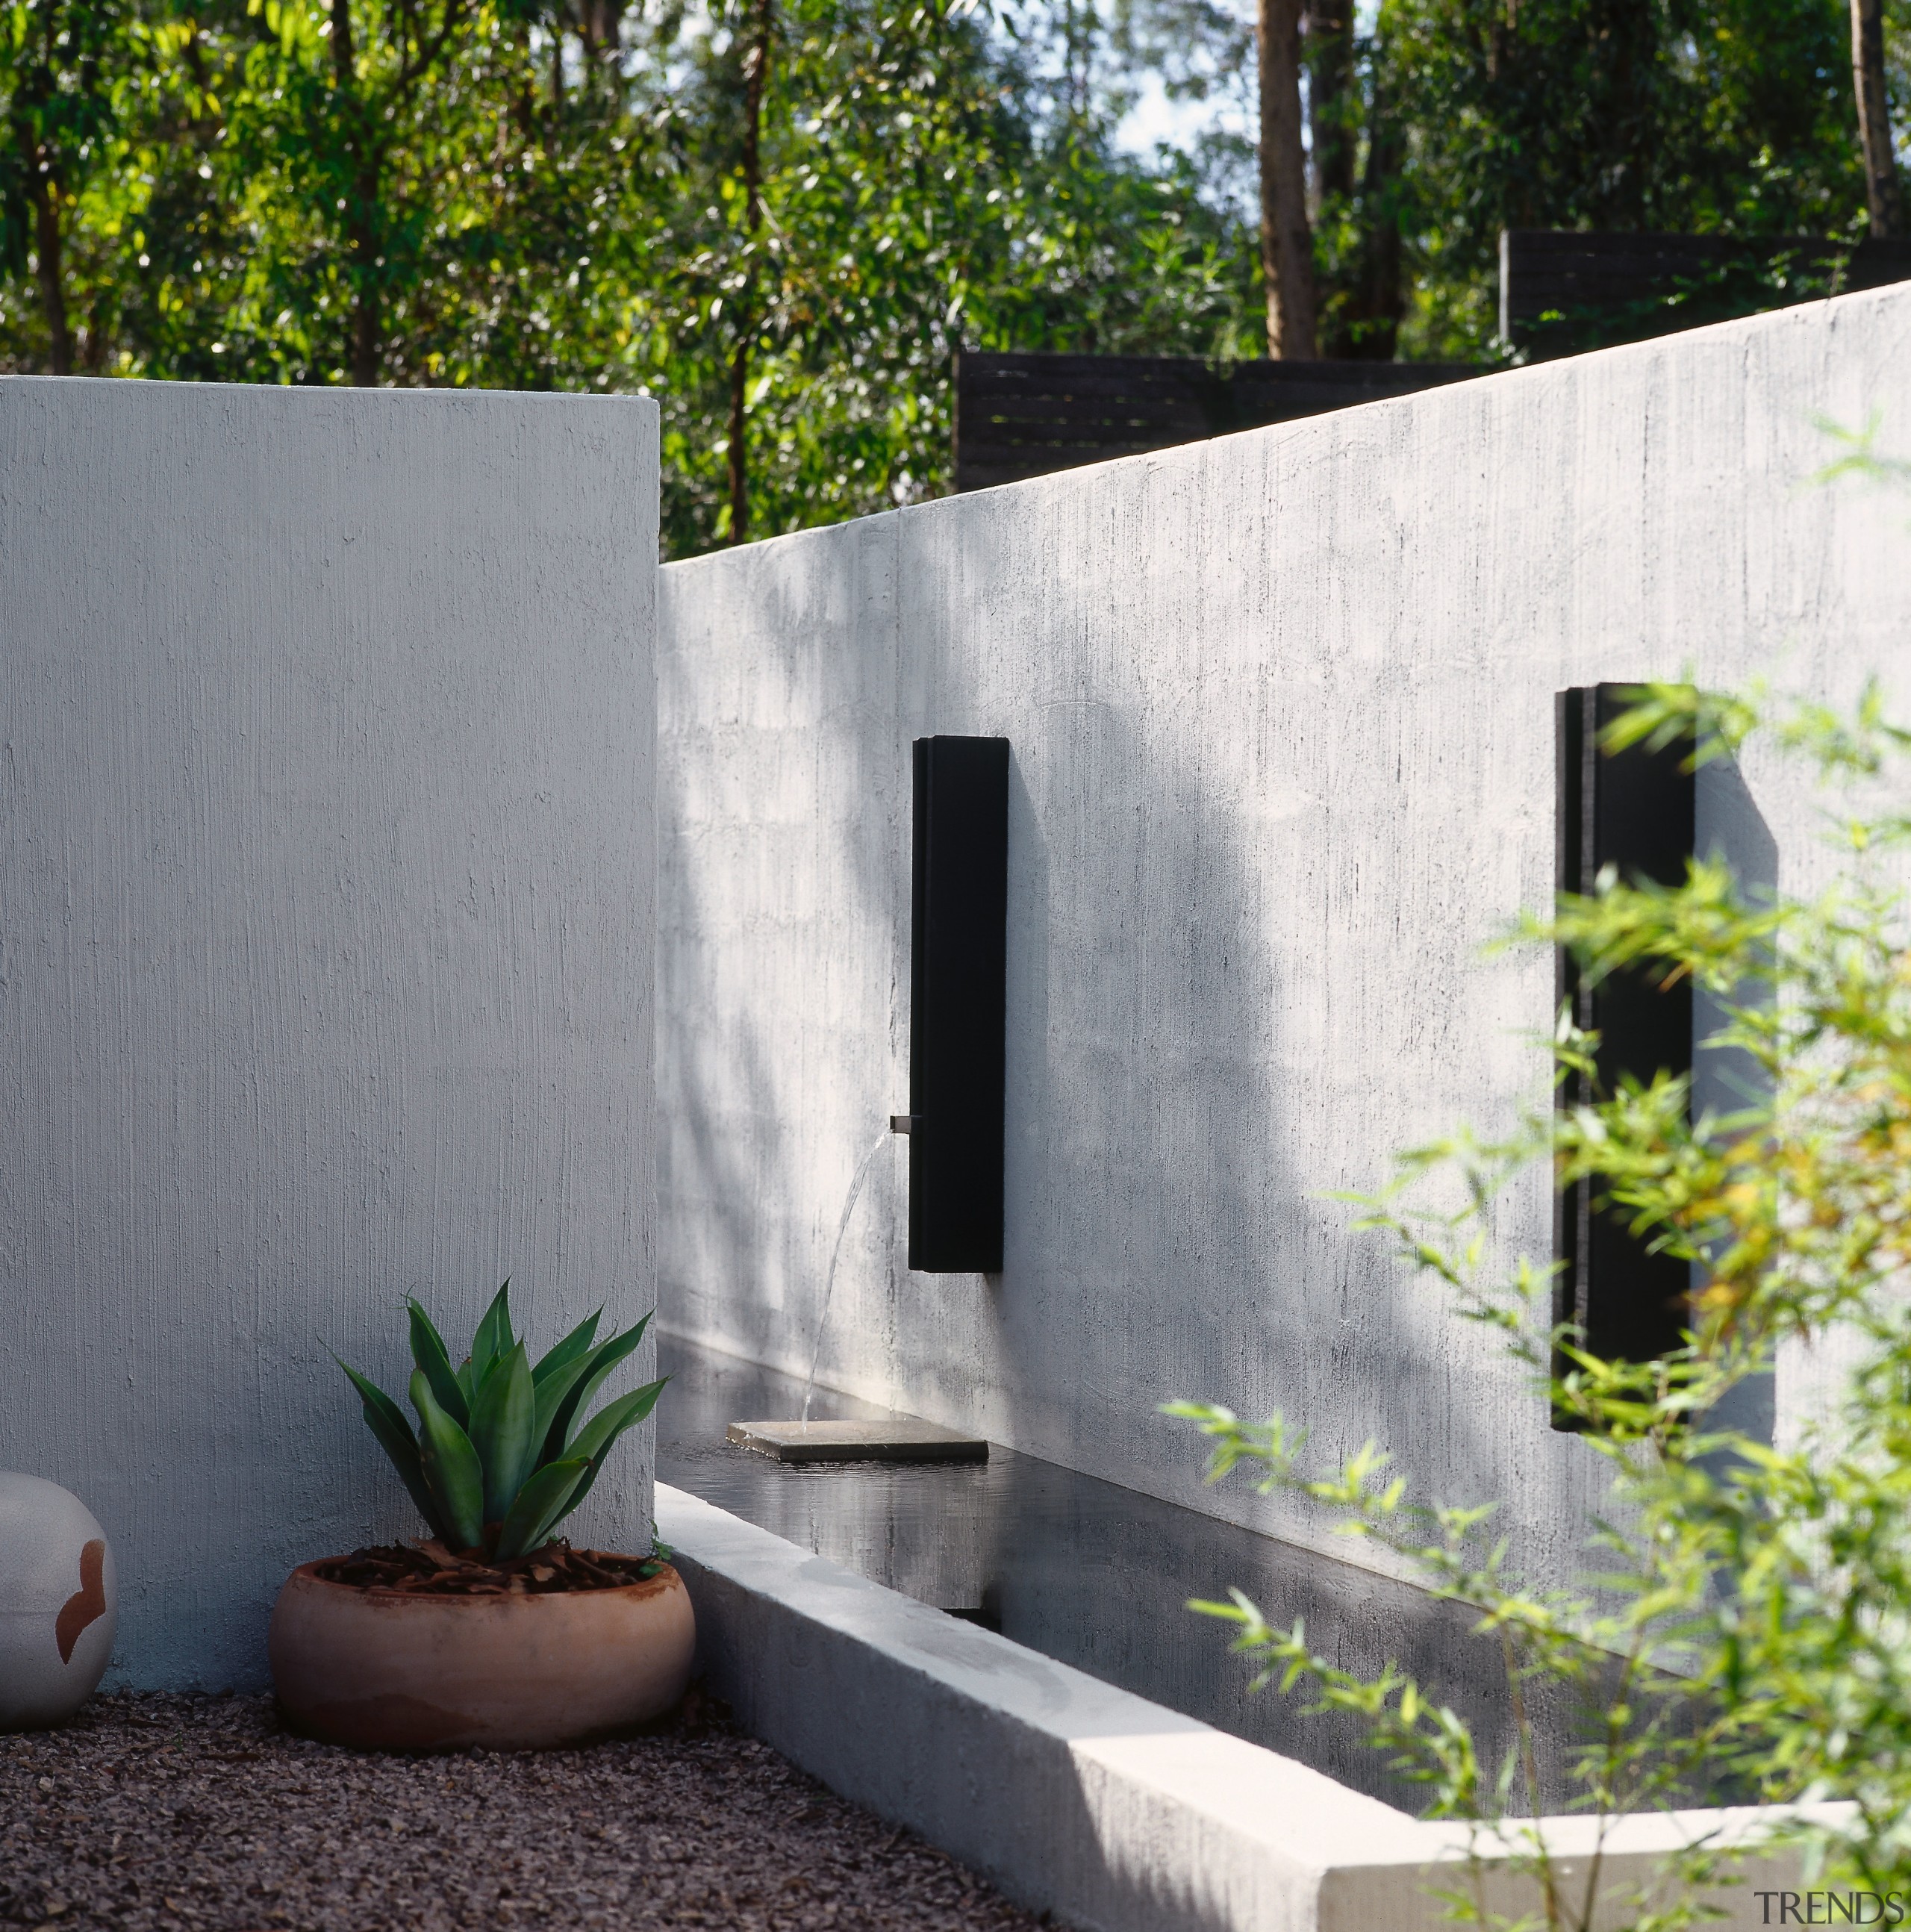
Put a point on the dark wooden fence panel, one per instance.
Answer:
(1028, 415)
(1562, 291)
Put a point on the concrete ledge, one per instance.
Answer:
(1072, 1796)
(858, 1442)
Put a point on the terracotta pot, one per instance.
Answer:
(387, 1670)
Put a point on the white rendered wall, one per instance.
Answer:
(326, 902)
(1281, 706)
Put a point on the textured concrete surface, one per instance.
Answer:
(1082, 1800)
(1281, 710)
(325, 946)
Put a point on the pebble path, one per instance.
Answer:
(152, 1813)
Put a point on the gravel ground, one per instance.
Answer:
(192, 1813)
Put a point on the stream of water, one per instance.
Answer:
(836, 1254)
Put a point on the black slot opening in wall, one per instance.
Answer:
(958, 960)
(1635, 810)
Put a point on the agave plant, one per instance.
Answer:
(500, 1457)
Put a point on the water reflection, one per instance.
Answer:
(1082, 1570)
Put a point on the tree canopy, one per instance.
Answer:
(783, 216)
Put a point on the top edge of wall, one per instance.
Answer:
(313, 393)
(781, 546)
(1563, 371)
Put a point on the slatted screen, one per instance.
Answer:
(1017, 416)
(1562, 291)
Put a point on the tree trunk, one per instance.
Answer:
(1376, 313)
(363, 345)
(1331, 74)
(1883, 193)
(600, 26)
(367, 351)
(49, 247)
(756, 72)
(739, 479)
(1287, 242)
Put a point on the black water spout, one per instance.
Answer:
(1636, 811)
(958, 1005)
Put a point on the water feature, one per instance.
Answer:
(1080, 1569)
(835, 1254)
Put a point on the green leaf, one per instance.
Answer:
(598, 1364)
(573, 1346)
(599, 1435)
(493, 1337)
(556, 1376)
(503, 1420)
(428, 1352)
(609, 1422)
(386, 1421)
(538, 1506)
(450, 1468)
(553, 1395)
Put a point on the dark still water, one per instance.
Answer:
(1082, 1570)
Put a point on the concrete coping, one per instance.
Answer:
(1095, 1805)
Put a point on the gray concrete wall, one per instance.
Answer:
(326, 899)
(1281, 708)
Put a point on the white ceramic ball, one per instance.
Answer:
(58, 1604)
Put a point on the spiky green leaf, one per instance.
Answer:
(386, 1421)
(609, 1422)
(598, 1364)
(503, 1429)
(494, 1338)
(553, 1393)
(574, 1347)
(599, 1435)
(428, 1352)
(450, 1467)
(538, 1506)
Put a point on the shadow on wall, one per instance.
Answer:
(1160, 1239)
(1730, 826)
(1176, 833)
(1142, 1155)
(783, 829)
(1163, 1237)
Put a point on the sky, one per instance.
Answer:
(1155, 119)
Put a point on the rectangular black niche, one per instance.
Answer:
(1634, 810)
(958, 1004)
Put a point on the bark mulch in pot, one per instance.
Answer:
(430, 1570)
(179, 1814)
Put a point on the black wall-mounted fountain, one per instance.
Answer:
(957, 1025)
(958, 1004)
(1635, 810)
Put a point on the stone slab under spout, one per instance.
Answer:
(901, 1442)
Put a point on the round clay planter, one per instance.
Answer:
(58, 1603)
(390, 1670)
